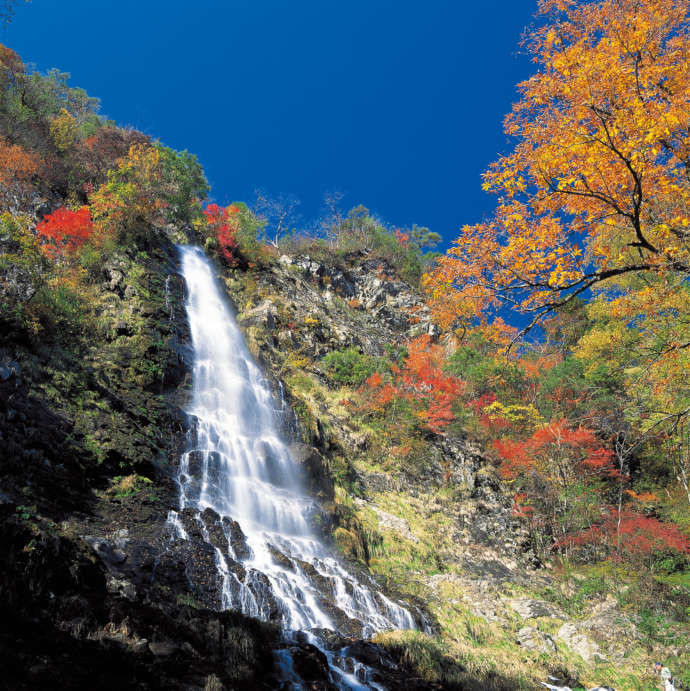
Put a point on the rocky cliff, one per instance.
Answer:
(97, 592)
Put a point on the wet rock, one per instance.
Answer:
(280, 558)
(331, 639)
(237, 539)
(314, 470)
(324, 584)
(310, 663)
(214, 529)
(269, 607)
(200, 568)
(370, 654)
(191, 523)
(351, 628)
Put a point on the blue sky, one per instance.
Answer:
(399, 104)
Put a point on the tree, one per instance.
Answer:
(30, 102)
(418, 386)
(65, 230)
(278, 215)
(633, 537)
(562, 470)
(151, 186)
(597, 185)
(99, 153)
(17, 169)
(131, 196)
(223, 224)
(64, 130)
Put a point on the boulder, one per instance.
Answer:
(533, 639)
(578, 642)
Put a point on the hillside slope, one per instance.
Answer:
(97, 588)
(435, 523)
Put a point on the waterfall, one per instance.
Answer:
(239, 483)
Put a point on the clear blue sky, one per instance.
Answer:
(397, 103)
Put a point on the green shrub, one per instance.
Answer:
(349, 367)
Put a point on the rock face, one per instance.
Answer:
(534, 609)
(301, 308)
(323, 295)
(95, 588)
(93, 592)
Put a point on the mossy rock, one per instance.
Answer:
(351, 544)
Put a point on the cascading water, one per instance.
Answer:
(239, 467)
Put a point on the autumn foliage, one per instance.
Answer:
(65, 230)
(223, 225)
(589, 240)
(631, 536)
(557, 450)
(17, 168)
(596, 186)
(420, 382)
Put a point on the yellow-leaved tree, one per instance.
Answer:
(597, 184)
(594, 201)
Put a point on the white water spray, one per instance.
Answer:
(240, 467)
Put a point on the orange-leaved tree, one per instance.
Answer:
(17, 169)
(419, 386)
(597, 184)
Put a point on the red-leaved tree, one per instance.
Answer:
(65, 230)
(419, 383)
(633, 537)
(562, 474)
(223, 224)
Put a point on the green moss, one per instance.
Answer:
(95, 448)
